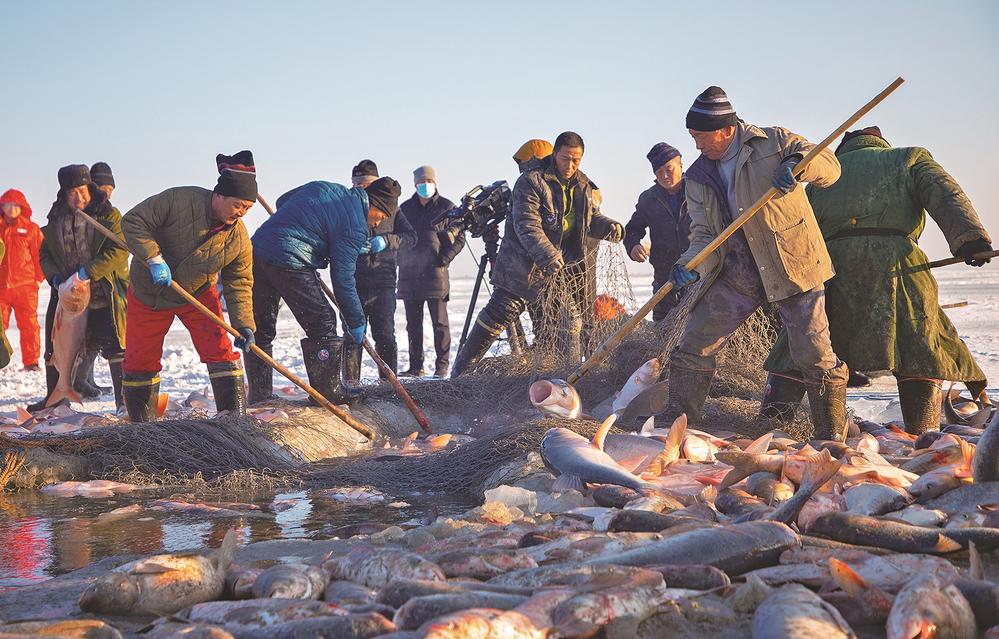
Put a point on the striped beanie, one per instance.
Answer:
(237, 176)
(711, 111)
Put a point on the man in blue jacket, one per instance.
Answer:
(316, 224)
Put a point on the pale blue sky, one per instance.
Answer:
(157, 89)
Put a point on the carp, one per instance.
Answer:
(290, 581)
(419, 610)
(69, 331)
(577, 461)
(985, 466)
(377, 567)
(483, 623)
(795, 612)
(556, 398)
(930, 607)
(478, 563)
(643, 378)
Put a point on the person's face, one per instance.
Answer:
(713, 144)
(228, 209)
(375, 217)
(362, 181)
(567, 160)
(670, 174)
(10, 210)
(78, 198)
(108, 189)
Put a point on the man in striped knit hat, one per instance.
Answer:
(777, 257)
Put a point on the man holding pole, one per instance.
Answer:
(190, 235)
(883, 310)
(778, 257)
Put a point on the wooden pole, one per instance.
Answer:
(389, 374)
(987, 255)
(341, 414)
(615, 340)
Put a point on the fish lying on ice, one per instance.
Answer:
(290, 581)
(929, 607)
(556, 398)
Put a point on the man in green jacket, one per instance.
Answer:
(778, 257)
(190, 235)
(882, 303)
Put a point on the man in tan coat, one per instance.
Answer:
(778, 256)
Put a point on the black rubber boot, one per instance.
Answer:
(322, 364)
(141, 393)
(260, 377)
(858, 380)
(51, 379)
(351, 363)
(479, 340)
(781, 398)
(227, 385)
(921, 399)
(688, 389)
(827, 402)
(83, 379)
(114, 367)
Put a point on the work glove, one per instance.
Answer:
(783, 177)
(553, 268)
(245, 340)
(973, 247)
(159, 271)
(357, 334)
(616, 233)
(378, 244)
(679, 276)
(83, 274)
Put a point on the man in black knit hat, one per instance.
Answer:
(363, 174)
(193, 236)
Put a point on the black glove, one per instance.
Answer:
(245, 339)
(968, 249)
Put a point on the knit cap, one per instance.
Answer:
(660, 154)
(237, 176)
(711, 111)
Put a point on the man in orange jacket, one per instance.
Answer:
(20, 273)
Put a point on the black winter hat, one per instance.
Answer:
(363, 168)
(383, 194)
(101, 174)
(72, 176)
(711, 111)
(237, 176)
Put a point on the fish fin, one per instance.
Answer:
(819, 469)
(149, 568)
(677, 432)
(227, 551)
(946, 544)
(847, 579)
(967, 457)
(565, 483)
(647, 427)
(975, 568)
(23, 416)
(760, 445)
(868, 443)
(161, 404)
(742, 467)
(601, 434)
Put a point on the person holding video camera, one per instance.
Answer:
(554, 212)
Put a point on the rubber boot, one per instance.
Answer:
(781, 398)
(322, 364)
(83, 377)
(51, 379)
(688, 389)
(227, 385)
(351, 363)
(921, 399)
(114, 367)
(479, 340)
(827, 402)
(260, 377)
(141, 393)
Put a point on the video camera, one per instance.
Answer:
(480, 212)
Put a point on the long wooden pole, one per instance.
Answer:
(987, 255)
(341, 414)
(614, 340)
(384, 368)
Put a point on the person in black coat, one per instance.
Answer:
(662, 209)
(423, 271)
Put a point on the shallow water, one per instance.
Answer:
(42, 536)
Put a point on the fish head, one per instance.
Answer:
(555, 397)
(113, 593)
(649, 372)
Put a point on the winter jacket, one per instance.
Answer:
(319, 224)
(534, 236)
(178, 224)
(423, 268)
(877, 319)
(783, 237)
(108, 267)
(5, 349)
(378, 270)
(23, 239)
(668, 226)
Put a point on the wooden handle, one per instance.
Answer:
(341, 414)
(614, 340)
(987, 255)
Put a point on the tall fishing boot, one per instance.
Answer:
(921, 399)
(114, 368)
(141, 394)
(51, 379)
(351, 363)
(260, 377)
(476, 345)
(83, 377)
(827, 401)
(322, 364)
(781, 398)
(227, 385)
(688, 389)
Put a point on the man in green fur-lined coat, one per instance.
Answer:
(871, 220)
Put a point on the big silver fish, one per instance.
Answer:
(68, 336)
(556, 398)
(577, 461)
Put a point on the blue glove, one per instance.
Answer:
(783, 177)
(357, 334)
(83, 274)
(245, 340)
(57, 280)
(159, 270)
(377, 244)
(679, 276)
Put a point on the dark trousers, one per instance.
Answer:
(671, 301)
(379, 309)
(101, 334)
(442, 331)
(300, 289)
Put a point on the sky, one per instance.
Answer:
(158, 89)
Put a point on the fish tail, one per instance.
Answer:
(818, 470)
(227, 551)
(161, 404)
(760, 444)
(847, 579)
(677, 432)
(60, 393)
(601, 434)
(975, 568)
(967, 455)
(742, 467)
